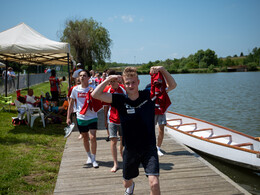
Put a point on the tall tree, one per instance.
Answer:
(89, 41)
(206, 58)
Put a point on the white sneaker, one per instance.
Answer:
(89, 161)
(69, 129)
(159, 152)
(95, 164)
(130, 190)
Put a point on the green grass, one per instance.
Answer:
(30, 157)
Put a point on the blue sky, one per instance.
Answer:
(148, 30)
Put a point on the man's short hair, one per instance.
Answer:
(85, 71)
(130, 72)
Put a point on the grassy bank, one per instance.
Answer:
(30, 158)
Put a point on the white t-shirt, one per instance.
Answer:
(30, 99)
(79, 94)
(76, 73)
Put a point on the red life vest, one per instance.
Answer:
(113, 115)
(159, 94)
(91, 103)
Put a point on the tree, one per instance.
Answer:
(198, 56)
(210, 57)
(228, 62)
(89, 41)
(254, 56)
(206, 58)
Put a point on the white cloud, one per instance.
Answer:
(127, 18)
(113, 18)
(124, 18)
(174, 55)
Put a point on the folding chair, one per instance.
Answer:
(33, 113)
(21, 109)
(46, 112)
(5, 102)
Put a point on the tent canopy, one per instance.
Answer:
(24, 45)
(2, 65)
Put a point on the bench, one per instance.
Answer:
(244, 144)
(186, 125)
(178, 119)
(220, 136)
(198, 130)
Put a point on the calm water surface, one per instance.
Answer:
(227, 99)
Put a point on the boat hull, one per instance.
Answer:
(223, 147)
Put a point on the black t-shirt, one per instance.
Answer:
(137, 120)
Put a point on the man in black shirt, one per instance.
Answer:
(136, 112)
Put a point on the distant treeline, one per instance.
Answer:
(202, 61)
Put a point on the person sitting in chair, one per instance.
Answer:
(48, 106)
(31, 100)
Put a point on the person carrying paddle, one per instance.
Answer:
(136, 111)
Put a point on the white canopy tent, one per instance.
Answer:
(2, 64)
(24, 45)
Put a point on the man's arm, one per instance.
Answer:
(98, 91)
(170, 82)
(105, 113)
(70, 110)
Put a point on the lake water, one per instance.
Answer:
(228, 99)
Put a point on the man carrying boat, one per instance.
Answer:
(136, 111)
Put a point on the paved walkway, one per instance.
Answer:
(182, 172)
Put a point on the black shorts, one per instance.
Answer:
(54, 95)
(133, 159)
(83, 129)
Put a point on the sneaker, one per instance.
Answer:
(159, 152)
(95, 164)
(68, 130)
(130, 190)
(89, 161)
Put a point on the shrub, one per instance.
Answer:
(251, 66)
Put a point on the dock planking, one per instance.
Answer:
(181, 172)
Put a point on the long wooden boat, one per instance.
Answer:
(224, 143)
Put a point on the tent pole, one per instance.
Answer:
(28, 79)
(68, 56)
(18, 78)
(6, 65)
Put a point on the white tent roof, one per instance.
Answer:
(24, 45)
(2, 64)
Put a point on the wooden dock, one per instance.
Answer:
(182, 172)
